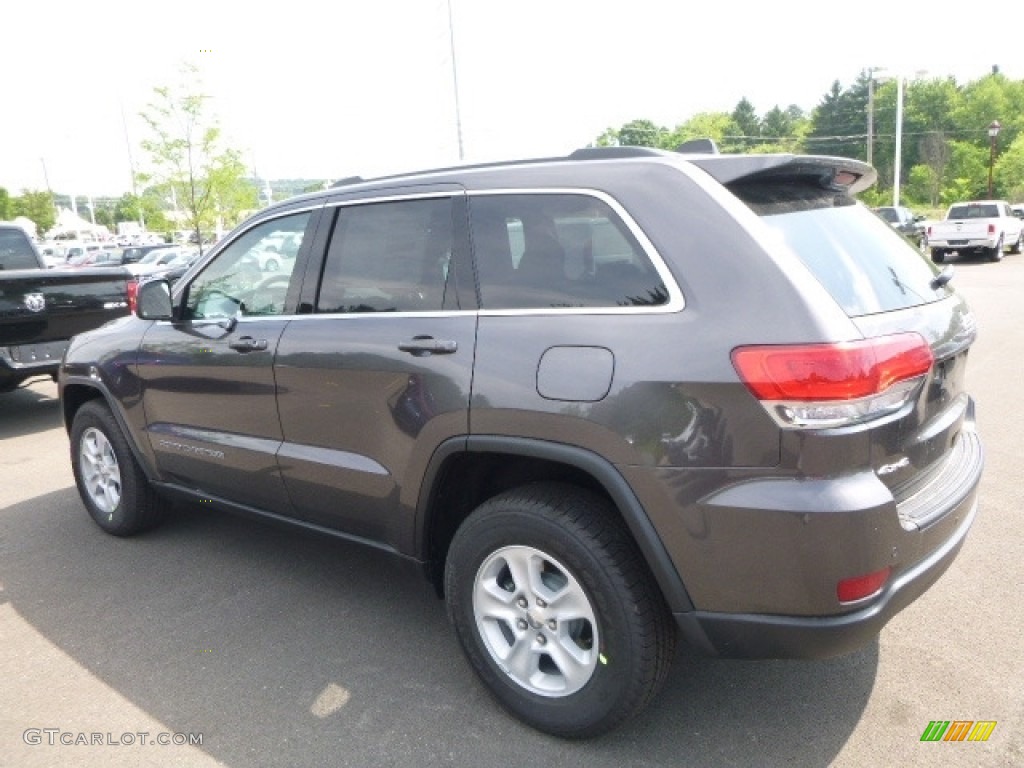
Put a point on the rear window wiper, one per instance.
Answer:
(943, 277)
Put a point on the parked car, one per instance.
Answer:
(602, 401)
(133, 253)
(179, 265)
(904, 221)
(157, 261)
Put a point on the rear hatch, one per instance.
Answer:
(924, 448)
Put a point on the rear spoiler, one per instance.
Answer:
(839, 173)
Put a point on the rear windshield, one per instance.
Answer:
(860, 260)
(16, 250)
(972, 211)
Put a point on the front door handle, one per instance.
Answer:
(248, 344)
(421, 346)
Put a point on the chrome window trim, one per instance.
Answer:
(676, 301)
(396, 198)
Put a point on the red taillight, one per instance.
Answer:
(859, 587)
(133, 295)
(929, 230)
(991, 229)
(844, 371)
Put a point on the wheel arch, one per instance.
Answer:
(464, 472)
(76, 393)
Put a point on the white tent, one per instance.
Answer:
(69, 223)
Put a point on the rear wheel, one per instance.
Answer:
(996, 253)
(556, 611)
(110, 481)
(938, 255)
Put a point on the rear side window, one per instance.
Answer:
(388, 257)
(860, 260)
(541, 251)
(16, 251)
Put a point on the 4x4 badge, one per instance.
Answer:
(35, 302)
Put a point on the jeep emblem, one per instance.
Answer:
(35, 302)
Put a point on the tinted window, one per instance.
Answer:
(973, 211)
(866, 266)
(388, 257)
(542, 251)
(238, 281)
(16, 250)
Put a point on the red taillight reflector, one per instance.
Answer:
(991, 229)
(843, 371)
(858, 587)
(133, 295)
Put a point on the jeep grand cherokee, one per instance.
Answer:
(603, 400)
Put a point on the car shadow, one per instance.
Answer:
(286, 649)
(29, 409)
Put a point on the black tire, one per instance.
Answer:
(938, 255)
(996, 252)
(1015, 248)
(110, 481)
(586, 553)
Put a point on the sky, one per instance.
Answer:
(316, 89)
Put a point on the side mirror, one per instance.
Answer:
(154, 301)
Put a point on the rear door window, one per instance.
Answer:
(859, 259)
(389, 257)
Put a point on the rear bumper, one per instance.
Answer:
(964, 245)
(20, 362)
(766, 636)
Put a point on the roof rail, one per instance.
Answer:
(346, 181)
(698, 147)
(608, 153)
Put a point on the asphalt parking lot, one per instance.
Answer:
(274, 648)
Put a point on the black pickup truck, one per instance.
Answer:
(41, 309)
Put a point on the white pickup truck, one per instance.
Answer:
(982, 226)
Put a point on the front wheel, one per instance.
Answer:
(110, 481)
(556, 610)
(1015, 248)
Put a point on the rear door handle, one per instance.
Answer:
(421, 346)
(248, 344)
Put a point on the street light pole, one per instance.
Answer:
(455, 81)
(993, 131)
(897, 158)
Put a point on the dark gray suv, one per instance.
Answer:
(603, 400)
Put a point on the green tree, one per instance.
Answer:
(640, 133)
(37, 206)
(1009, 172)
(748, 125)
(839, 122)
(967, 174)
(187, 155)
(704, 125)
(5, 204)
